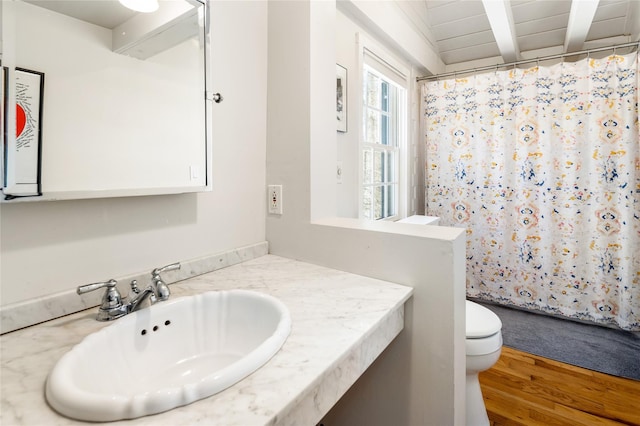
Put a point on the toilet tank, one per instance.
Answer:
(421, 220)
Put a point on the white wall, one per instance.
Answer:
(348, 143)
(48, 247)
(349, 55)
(54, 246)
(420, 378)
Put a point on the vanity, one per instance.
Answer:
(340, 323)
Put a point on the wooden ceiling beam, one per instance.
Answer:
(580, 19)
(503, 28)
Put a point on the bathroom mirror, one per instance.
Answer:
(102, 101)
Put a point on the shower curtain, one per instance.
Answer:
(542, 168)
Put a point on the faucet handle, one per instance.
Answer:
(95, 286)
(171, 267)
(162, 289)
(111, 305)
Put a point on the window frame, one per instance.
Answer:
(377, 61)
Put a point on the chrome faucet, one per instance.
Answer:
(141, 296)
(113, 306)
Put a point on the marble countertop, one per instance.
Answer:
(341, 322)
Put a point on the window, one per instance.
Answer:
(384, 133)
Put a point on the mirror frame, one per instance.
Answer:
(7, 52)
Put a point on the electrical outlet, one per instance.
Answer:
(274, 193)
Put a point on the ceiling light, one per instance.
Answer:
(145, 6)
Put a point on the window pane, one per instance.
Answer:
(367, 198)
(378, 206)
(390, 200)
(378, 164)
(384, 101)
(373, 90)
(379, 202)
(384, 131)
(367, 171)
(372, 134)
(384, 191)
(389, 167)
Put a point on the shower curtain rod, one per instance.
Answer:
(525, 61)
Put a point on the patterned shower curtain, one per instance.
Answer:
(542, 167)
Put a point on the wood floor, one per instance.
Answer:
(528, 390)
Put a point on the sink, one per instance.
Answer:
(168, 355)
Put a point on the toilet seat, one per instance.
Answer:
(484, 346)
(482, 330)
(480, 322)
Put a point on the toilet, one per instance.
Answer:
(483, 345)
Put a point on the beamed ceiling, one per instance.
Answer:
(460, 31)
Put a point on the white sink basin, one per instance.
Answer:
(168, 355)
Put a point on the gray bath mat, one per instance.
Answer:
(598, 348)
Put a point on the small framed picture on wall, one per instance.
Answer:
(23, 154)
(341, 98)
